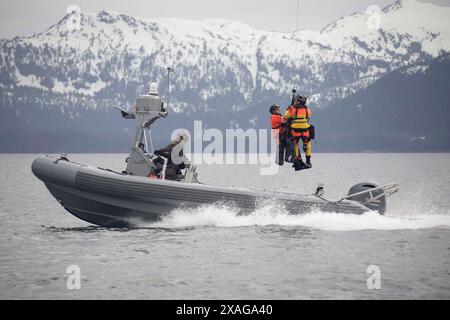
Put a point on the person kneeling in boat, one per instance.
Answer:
(279, 133)
(173, 169)
(297, 118)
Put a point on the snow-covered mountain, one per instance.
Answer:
(219, 63)
(406, 110)
(221, 66)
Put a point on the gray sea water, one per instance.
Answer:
(211, 253)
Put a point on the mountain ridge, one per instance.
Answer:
(407, 110)
(128, 38)
(225, 71)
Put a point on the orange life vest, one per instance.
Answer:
(276, 121)
(299, 124)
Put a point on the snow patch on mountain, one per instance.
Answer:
(416, 69)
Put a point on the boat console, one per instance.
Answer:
(141, 161)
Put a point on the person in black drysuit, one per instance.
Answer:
(279, 133)
(172, 169)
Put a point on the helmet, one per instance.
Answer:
(273, 108)
(301, 100)
(179, 137)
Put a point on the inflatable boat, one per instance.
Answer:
(142, 192)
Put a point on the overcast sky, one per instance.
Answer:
(25, 17)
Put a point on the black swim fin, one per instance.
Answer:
(299, 165)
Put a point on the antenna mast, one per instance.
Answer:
(295, 47)
(169, 70)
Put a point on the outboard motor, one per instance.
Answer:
(374, 200)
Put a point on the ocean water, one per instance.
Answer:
(212, 253)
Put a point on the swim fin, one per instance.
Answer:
(299, 165)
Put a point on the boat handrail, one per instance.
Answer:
(387, 190)
(112, 171)
(163, 170)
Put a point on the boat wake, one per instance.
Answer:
(223, 216)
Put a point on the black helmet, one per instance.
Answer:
(301, 100)
(273, 108)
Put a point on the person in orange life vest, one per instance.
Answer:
(298, 118)
(278, 126)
